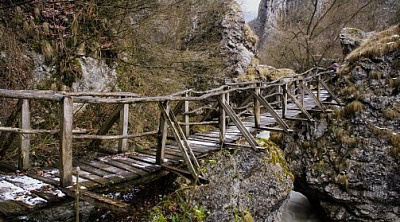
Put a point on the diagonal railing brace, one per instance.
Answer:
(183, 144)
(271, 110)
(247, 135)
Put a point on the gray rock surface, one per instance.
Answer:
(244, 181)
(348, 161)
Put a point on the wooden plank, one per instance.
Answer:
(66, 142)
(93, 197)
(93, 177)
(111, 169)
(11, 208)
(330, 92)
(141, 165)
(24, 139)
(112, 177)
(124, 166)
(186, 116)
(222, 121)
(168, 157)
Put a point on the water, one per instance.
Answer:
(298, 209)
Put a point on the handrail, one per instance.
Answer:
(276, 93)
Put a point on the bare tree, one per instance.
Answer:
(309, 36)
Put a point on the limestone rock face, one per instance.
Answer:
(239, 50)
(244, 182)
(348, 162)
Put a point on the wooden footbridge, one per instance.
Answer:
(238, 110)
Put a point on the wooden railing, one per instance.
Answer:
(213, 107)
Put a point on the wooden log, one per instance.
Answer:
(114, 137)
(31, 94)
(24, 139)
(256, 107)
(162, 135)
(27, 131)
(222, 120)
(123, 128)
(284, 100)
(66, 142)
(186, 116)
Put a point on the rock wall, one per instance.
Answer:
(348, 161)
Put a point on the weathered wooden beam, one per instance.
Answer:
(162, 135)
(123, 128)
(271, 110)
(24, 139)
(187, 153)
(330, 92)
(247, 135)
(311, 94)
(273, 129)
(66, 142)
(222, 121)
(115, 137)
(301, 107)
(186, 116)
(256, 107)
(284, 100)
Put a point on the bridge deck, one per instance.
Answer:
(22, 193)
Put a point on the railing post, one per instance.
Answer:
(123, 128)
(301, 88)
(162, 136)
(257, 118)
(24, 139)
(284, 99)
(318, 87)
(66, 142)
(278, 97)
(187, 117)
(222, 120)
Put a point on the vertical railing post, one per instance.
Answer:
(162, 135)
(123, 128)
(187, 117)
(222, 120)
(278, 97)
(257, 115)
(66, 141)
(24, 139)
(318, 87)
(301, 88)
(285, 98)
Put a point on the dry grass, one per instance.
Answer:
(249, 35)
(353, 108)
(377, 45)
(391, 114)
(375, 74)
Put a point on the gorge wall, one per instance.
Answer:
(348, 161)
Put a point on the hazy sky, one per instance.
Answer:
(250, 8)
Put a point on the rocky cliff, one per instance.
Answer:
(137, 47)
(348, 162)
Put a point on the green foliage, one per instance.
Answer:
(242, 216)
(178, 208)
(275, 156)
